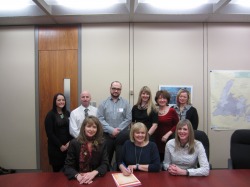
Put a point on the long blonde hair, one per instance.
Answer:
(151, 105)
(190, 136)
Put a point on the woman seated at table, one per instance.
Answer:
(183, 153)
(139, 153)
(87, 154)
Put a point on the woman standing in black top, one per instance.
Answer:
(57, 130)
(144, 111)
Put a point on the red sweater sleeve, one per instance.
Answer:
(175, 119)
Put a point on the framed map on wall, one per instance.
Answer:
(173, 90)
(229, 99)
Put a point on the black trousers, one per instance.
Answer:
(115, 144)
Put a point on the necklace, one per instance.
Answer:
(143, 106)
(137, 161)
(163, 111)
(181, 108)
(61, 115)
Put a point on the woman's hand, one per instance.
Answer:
(125, 170)
(175, 170)
(63, 148)
(67, 145)
(132, 168)
(166, 136)
(87, 178)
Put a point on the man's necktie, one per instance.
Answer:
(86, 112)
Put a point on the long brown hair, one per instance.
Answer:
(64, 109)
(190, 136)
(98, 137)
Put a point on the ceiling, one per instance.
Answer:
(50, 12)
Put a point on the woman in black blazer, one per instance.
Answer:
(87, 155)
(57, 130)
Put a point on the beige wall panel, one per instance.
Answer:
(228, 49)
(169, 54)
(17, 101)
(105, 58)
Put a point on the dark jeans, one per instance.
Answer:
(115, 144)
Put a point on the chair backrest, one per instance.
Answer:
(240, 149)
(203, 138)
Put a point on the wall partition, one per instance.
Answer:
(17, 101)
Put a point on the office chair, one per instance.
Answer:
(240, 150)
(203, 138)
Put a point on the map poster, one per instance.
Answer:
(230, 100)
(173, 90)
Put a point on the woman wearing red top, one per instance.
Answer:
(167, 121)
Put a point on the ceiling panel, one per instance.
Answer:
(50, 12)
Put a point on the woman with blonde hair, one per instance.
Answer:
(183, 153)
(145, 111)
(184, 108)
(139, 154)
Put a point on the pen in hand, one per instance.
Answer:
(127, 169)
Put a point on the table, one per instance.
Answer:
(217, 178)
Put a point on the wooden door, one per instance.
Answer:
(58, 60)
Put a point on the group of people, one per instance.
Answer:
(149, 137)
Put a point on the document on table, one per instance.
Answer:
(123, 181)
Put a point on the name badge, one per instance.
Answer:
(120, 110)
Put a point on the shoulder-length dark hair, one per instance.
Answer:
(98, 137)
(64, 109)
(164, 94)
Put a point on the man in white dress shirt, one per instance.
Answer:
(78, 115)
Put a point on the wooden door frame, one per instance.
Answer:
(79, 86)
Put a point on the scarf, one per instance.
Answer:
(144, 107)
(85, 158)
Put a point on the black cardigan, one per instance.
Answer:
(192, 116)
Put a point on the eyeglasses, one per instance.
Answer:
(116, 89)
